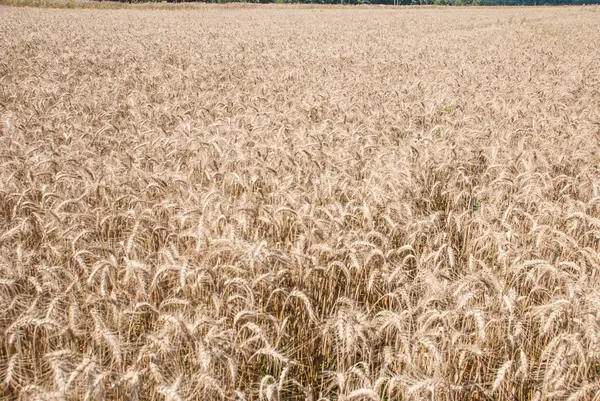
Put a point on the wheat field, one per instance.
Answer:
(288, 203)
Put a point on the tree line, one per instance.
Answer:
(397, 2)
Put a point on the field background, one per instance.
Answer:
(300, 203)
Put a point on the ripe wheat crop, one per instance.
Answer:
(277, 203)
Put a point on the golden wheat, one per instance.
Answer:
(274, 203)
